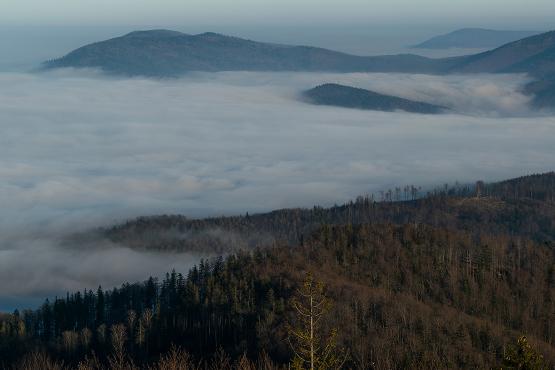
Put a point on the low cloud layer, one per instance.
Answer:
(78, 151)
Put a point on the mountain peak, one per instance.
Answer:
(210, 34)
(156, 33)
(167, 53)
(213, 36)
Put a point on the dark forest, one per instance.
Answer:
(458, 277)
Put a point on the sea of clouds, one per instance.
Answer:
(80, 149)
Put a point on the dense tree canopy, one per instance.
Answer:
(447, 281)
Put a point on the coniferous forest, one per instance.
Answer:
(456, 277)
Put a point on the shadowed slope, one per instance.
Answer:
(473, 38)
(351, 97)
(168, 53)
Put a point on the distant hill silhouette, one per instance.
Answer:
(533, 55)
(543, 92)
(473, 38)
(163, 53)
(351, 97)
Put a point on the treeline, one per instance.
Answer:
(409, 296)
(537, 187)
(522, 206)
(218, 305)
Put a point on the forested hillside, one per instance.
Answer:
(450, 280)
(522, 206)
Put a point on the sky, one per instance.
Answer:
(283, 12)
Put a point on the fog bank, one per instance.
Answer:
(80, 150)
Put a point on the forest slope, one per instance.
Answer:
(409, 296)
(523, 206)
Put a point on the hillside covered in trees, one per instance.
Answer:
(448, 279)
(523, 206)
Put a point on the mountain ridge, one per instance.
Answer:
(193, 52)
(519, 206)
(508, 58)
(165, 53)
(162, 53)
(473, 38)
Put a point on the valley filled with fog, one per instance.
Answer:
(80, 150)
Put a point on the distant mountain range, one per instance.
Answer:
(163, 53)
(534, 55)
(351, 97)
(474, 38)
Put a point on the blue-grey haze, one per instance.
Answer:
(264, 12)
(25, 47)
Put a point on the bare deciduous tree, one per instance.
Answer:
(70, 339)
(175, 359)
(39, 360)
(118, 360)
(312, 349)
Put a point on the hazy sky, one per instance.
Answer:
(515, 12)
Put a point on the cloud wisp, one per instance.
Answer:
(34, 268)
